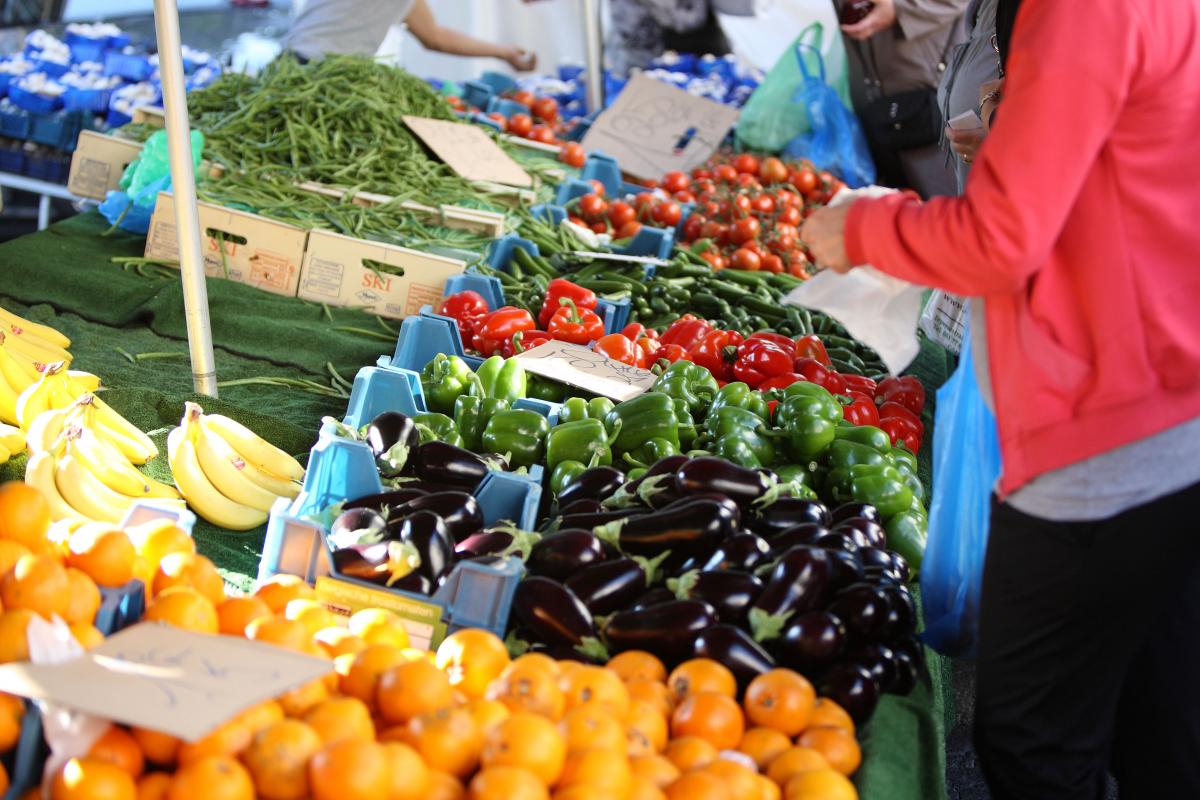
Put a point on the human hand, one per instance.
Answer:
(824, 235)
(989, 98)
(966, 143)
(521, 60)
(879, 18)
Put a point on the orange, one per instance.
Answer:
(740, 780)
(337, 641)
(278, 759)
(190, 569)
(408, 773)
(637, 664)
(154, 542)
(829, 714)
(839, 748)
(441, 786)
(699, 785)
(228, 739)
(780, 699)
(763, 745)
(362, 678)
(153, 786)
(653, 692)
(286, 633)
(235, 613)
(310, 613)
(260, 715)
(767, 789)
(646, 729)
(690, 752)
(534, 661)
(24, 515)
(411, 689)
(83, 597)
(212, 778)
(472, 658)
(488, 713)
(379, 626)
(341, 718)
(596, 685)
(14, 644)
(793, 761)
(711, 716)
(642, 789)
(448, 740)
(92, 779)
(592, 727)
(298, 701)
(37, 583)
(820, 784)
(349, 770)
(118, 747)
(529, 686)
(602, 769)
(185, 608)
(529, 741)
(506, 783)
(658, 770)
(701, 675)
(279, 590)
(10, 551)
(88, 636)
(12, 710)
(105, 554)
(159, 748)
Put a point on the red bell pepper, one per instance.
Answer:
(618, 348)
(859, 386)
(777, 338)
(687, 331)
(761, 359)
(717, 353)
(835, 383)
(636, 331)
(671, 352)
(556, 291)
(522, 341)
(893, 409)
(902, 431)
(570, 324)
(499, 326)
(463, 304)
(649, 348)
(907, 391)
(861, 411)
(811, 347)
(780, 381)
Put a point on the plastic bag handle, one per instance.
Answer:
(801, 49)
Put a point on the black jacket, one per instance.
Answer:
(1006, 16)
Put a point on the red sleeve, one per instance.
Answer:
(1072, 67)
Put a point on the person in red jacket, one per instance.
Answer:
(1080, 231)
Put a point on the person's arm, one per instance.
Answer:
(424, 26)
(1060, 106)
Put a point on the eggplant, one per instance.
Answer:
(874, 557)
(414, 582)
(879, 660)
(742, 551)
(690, 530)
(561, 652)
(875, 535)
(788, 512)
(444, 463)
(804, 533)
(561, 555)
(357, 526)
(901, 613)
(906, 672)
(811, 642)
(731, 593)
(851, 510)
(609, 586)
(842, 540)
(552, 613)
(847, 568)
(655, 597)
(459, 511)
(741, 485)
(483, 543)
(374, 563)
(730, 507)
(590, 521)
(912, 648)
(628, 495)
(864, 609)
(393, 438)
(801, 581)
(667, 631)
(901, 565)
(733, 647)
(385, 500)
(582, 507)
(853, 688)
(427, 532)
(597, 483)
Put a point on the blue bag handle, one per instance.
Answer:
(814, 47)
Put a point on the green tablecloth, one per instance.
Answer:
(64, 276)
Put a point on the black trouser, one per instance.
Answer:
(1089, 654)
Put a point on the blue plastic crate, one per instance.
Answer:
(143, 511)
(5, 80)
(130, 66)
(498, 81)
(14, 121)
(117, 119)
(94, 100)
(33, 102)
(554, 214)
(46, 167)
(485, 285)
(52, 68)
(501, 250)
(84, 48)
(377, 389)
(651, 242)
(26, 760)
(486, 121)
(499, 105)
(477, 93)
(12, 160)
(59, 130)
(605, 169)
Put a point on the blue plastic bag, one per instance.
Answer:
(966, 464)
(834, 140)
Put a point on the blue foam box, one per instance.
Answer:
(499, 105)
(501, 250)
(95, 100)
(87, 49)
(52, 68)
(498, 81)
(33, 102)
(130, 66)
(477, 93)
(652, 242)
(487, 286)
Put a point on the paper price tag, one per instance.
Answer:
(576, 365)
(469, 151)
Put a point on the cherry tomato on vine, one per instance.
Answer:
(668, 213)
(782, 244)
(711, 229)
(629, 229)
(597, 187)
(746, 164)
(726, 174)
(764, 204)
(805, 181)
(685, 196)
(692, 227)
(572, 154)
(593, 207)
(772, 263)
(772, 170)
(643, 201)
(675, 182)
(700, 173)
(744, 230)
(520, 124)
(600, 227)
(742, 205)
(545, 108)
(542, 133)
(747, 181)
(745, 259)
(620, 213)
(499, 119)
(714, 257)
(524, 97)
(789, 216)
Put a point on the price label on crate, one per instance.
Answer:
(469, 151)
(576, 365)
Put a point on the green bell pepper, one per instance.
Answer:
(436, 427)
(584, 440)
(573, 409)
(745, 448)
(443, 379)
(869, 435)
(688, 382)
(882, 486)
(504, 379)
(904, 459)
(650, 452)
(730, 419)
(471, 415)
(642, 418)
(796, 474)
(519, 432)
(740, 395)
(540, 388)
(563, 473)
(906, 534)
(820, 401)
(687, 427)
(598, 407)
(843, 453)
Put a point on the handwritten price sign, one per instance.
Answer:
(576, 365)
(469, 151)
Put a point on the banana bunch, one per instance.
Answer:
(226, 472)
(82, 459)
(12, 442)
(56, 387)
(27, 349)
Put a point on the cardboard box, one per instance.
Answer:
(98, 163)
(487, 223)
(243, 247)
(337, 270)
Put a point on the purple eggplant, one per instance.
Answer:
(357, 526)
(811, 642)
(851, 510)
(483, 543)
(847, 568)
(666, 630)
(901, 615)
(552, 613)
(582, 507)
(426, 532)
(632, 493)
(459, 511)
(731, 593)
(385, 500)
(804, 533)
(384, 564)
(611, 586)
(853, 688)
(733, 647)
(905, 672)
(444, 463)
(742, 551)
(730, 508)
(879, 660)
(413, 582)
(786, 513)
(864, 610)
(655, 597)
(741, 485)
(799, 582)
(842, 540)
(597, 483)
(393, 438)
(691, 530)
(590, 521)
(561, 555)
(875, 535)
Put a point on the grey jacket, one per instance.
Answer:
(972, 64)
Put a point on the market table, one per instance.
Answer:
(113, 313)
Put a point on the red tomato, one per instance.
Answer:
(747, 181)
(710, 229)
(577, 221)
(726, 174)
(545, 109)
(600, 227)
(772, 263)
(745, 229)
(797, 264)
(542, 133)
(712, 208)
(524, 97)
(628, 230)
(746, 259)
(805, 180)
(593, 207)
(742, 205)
(643, 200)
(620, 213)
(713, 257)
(746, 164)
(700, 173)
(598, 187)
(520, 124)
(572, 154)
(705, 186)
(455, 102)
(692, 227)
(784, 229)
(789, 215)
(773, 170)
(499, 119)
(782, 244)
(764, 204)
(786, 198)
(685, 196)
(668, 213)
(675, 182)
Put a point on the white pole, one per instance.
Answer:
(594, 49)
(183, 185)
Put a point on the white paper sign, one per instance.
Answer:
(576, 365)
(469, 151)
(158, 676)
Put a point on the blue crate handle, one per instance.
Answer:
(477, 93)
(377, 390)
(499, 105)
(497, 81)
(501, 250)
(554, 214)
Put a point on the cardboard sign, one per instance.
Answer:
(380, 278)
(469, 151)
(652, 129)
(167, 679)
(576, 365)
(98, 163)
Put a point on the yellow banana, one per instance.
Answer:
(115, 423)
(43, 433)
(12, 439)
(39, 330)
(5, 455)
(84, 492)
(82, 382)
(39, 473)
(37, 398)
(18, 372)
(279, 487)
(8, 402)
(226, 470)
(35, 349)
(105, 463)
(195, 486)
(256, 450)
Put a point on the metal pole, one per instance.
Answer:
(183, 183)
(594, 48)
